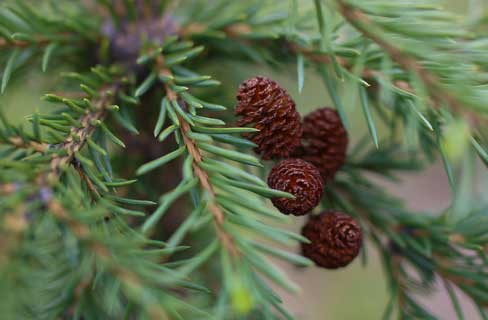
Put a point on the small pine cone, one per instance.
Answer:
(324, 141)
(300, 179)
(335, 237)
(266, 106)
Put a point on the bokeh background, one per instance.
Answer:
(358, 291)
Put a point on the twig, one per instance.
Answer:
(194, 151)
(216, 211)
(21, 144)
(78, 136)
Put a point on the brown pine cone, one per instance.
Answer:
(300, 179)
(324, 141)
(266, 106)
(335, 237)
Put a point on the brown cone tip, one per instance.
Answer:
(324, 141)
(266, 106)
(336, 239)
(300, 179)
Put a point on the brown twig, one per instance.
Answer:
(194, 151)
(202, 176)
(13, 44)
(77, 137)
(21, 144)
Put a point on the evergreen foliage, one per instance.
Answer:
(81, 218)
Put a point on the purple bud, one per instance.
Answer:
(45, 194)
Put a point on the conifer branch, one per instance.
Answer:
(362, 23)
(77, 137)
(21, 144)
(202, 176)
(128, 278)
(59, 178)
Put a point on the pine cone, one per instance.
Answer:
(335, 237)
(302, 180)
(266, 106)
(324, 141)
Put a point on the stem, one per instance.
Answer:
(21, 144)
(214, 209)
(195, 152)
(89, 124)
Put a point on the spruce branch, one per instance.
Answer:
(130, 280)
(409, 240)
(198, 138)
(362, 23)
(86, 257)
(216, 211)
(196, 154)
(16, 224)
(78, 136)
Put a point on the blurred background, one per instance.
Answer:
(358, 291)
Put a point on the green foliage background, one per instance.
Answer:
(354, 293)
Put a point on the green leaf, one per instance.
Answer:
(300, 72)
(166, 201)
(202, 257)
(207, 121)
(445, 160)
(47, 55)
(331, 88)
(272, 272)
(230, 154)
(229, 171)
(230, 201)
(120, 183)
(111, 136)
(367, 114)
(96, 147)
(191, 100)
(171, 59)
(128, 99)
(36, 127)
(180, 233)
(454, 300)
(166, 132)
(171, 112)
(482, 153)
(421, 116)
(145, 85)
(123, 211)
(263, 191)
(292, 258)
(191, 80)
(125, 120)
(224, 130)
(160, 161)
(325, 39)
(161, 119)
(145, 58)
(93, 177)
(9, 66)
(71, 104)
(176, 106)
(199, 137)
(130, 201)
(233, 140)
